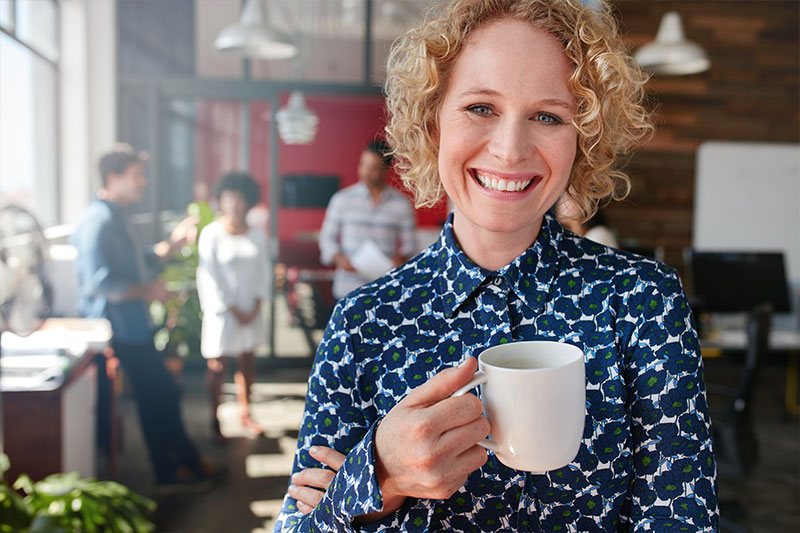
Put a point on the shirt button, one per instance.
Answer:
(497, 281)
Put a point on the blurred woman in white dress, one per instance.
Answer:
(232, 282)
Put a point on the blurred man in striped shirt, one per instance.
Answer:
(369, 210)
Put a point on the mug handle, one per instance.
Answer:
(478, 379)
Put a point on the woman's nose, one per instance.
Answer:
(512, 141)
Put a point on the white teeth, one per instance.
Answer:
(494, 184)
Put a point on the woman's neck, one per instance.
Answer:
(233, 225)
(490, 249)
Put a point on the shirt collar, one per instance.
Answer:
(529, 275)
(363, 190)
(115, 207)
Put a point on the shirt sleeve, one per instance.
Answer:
(330, 232)
(153, 263)
(212, 289)
(93, 246)
(335, 416)
(408, 231)
(674, 485)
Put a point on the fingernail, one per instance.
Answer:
(463, 363)
(313, 450)
(294, 476)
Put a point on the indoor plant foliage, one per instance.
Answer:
(180, 317)
(66, 503)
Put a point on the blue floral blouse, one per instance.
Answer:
(645, 463)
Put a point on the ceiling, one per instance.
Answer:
(330, 34)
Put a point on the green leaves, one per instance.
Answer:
(66, 503)
(179, 319)
(5, 464)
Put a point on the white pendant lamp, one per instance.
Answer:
(297, 124)
(671, 54)
(252, 37)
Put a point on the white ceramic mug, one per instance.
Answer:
(534, 395)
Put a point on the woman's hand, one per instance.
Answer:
(253, 314)
(306, 482)
(240, 316)
(426, 446)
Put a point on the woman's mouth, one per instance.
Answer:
(492, 182)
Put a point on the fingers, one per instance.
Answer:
(308, 485)
(457, 411)
(327, 456)
(304, 508)
(318, 478)
(189, 222)
(307, 498)
(473, 458)
(463, 438)
(443, 384)
(186, 230)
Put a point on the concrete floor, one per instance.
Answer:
(250, 497)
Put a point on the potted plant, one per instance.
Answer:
(179, 319)
(66, 503)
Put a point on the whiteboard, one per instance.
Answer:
(747, 198)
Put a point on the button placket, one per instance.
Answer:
(495, 309)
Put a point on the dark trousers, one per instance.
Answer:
(158, 400)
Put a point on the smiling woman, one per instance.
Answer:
(505, 106)
(500, 126)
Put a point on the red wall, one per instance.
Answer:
(346, 123)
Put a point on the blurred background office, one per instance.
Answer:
(288, 90)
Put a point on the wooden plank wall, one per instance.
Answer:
(751, 93)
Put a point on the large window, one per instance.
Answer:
(28, 106)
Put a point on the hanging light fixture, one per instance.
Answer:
(297, 124)
(252, 36)
(671, 54)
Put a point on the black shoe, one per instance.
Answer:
(214, 472)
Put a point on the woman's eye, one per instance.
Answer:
(479, 109)
(548, 118)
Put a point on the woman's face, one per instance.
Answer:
(233, 204)
(506, 139)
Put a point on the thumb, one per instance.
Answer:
(443, 384)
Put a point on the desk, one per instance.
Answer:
(726, 336)
(50, 383)
(728, 331)
(736, 339)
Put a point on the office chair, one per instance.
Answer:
(735, 442)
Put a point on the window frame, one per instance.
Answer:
(55, 66)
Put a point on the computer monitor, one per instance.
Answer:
(308, 190)
(732, 282)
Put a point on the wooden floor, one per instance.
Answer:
(248, 500)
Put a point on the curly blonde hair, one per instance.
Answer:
(607, 84)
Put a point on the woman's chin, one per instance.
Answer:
(501, 225)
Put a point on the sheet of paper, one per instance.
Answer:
(369, 261)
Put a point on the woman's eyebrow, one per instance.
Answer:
(547, 101)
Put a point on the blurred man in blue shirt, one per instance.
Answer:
(116, 281)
